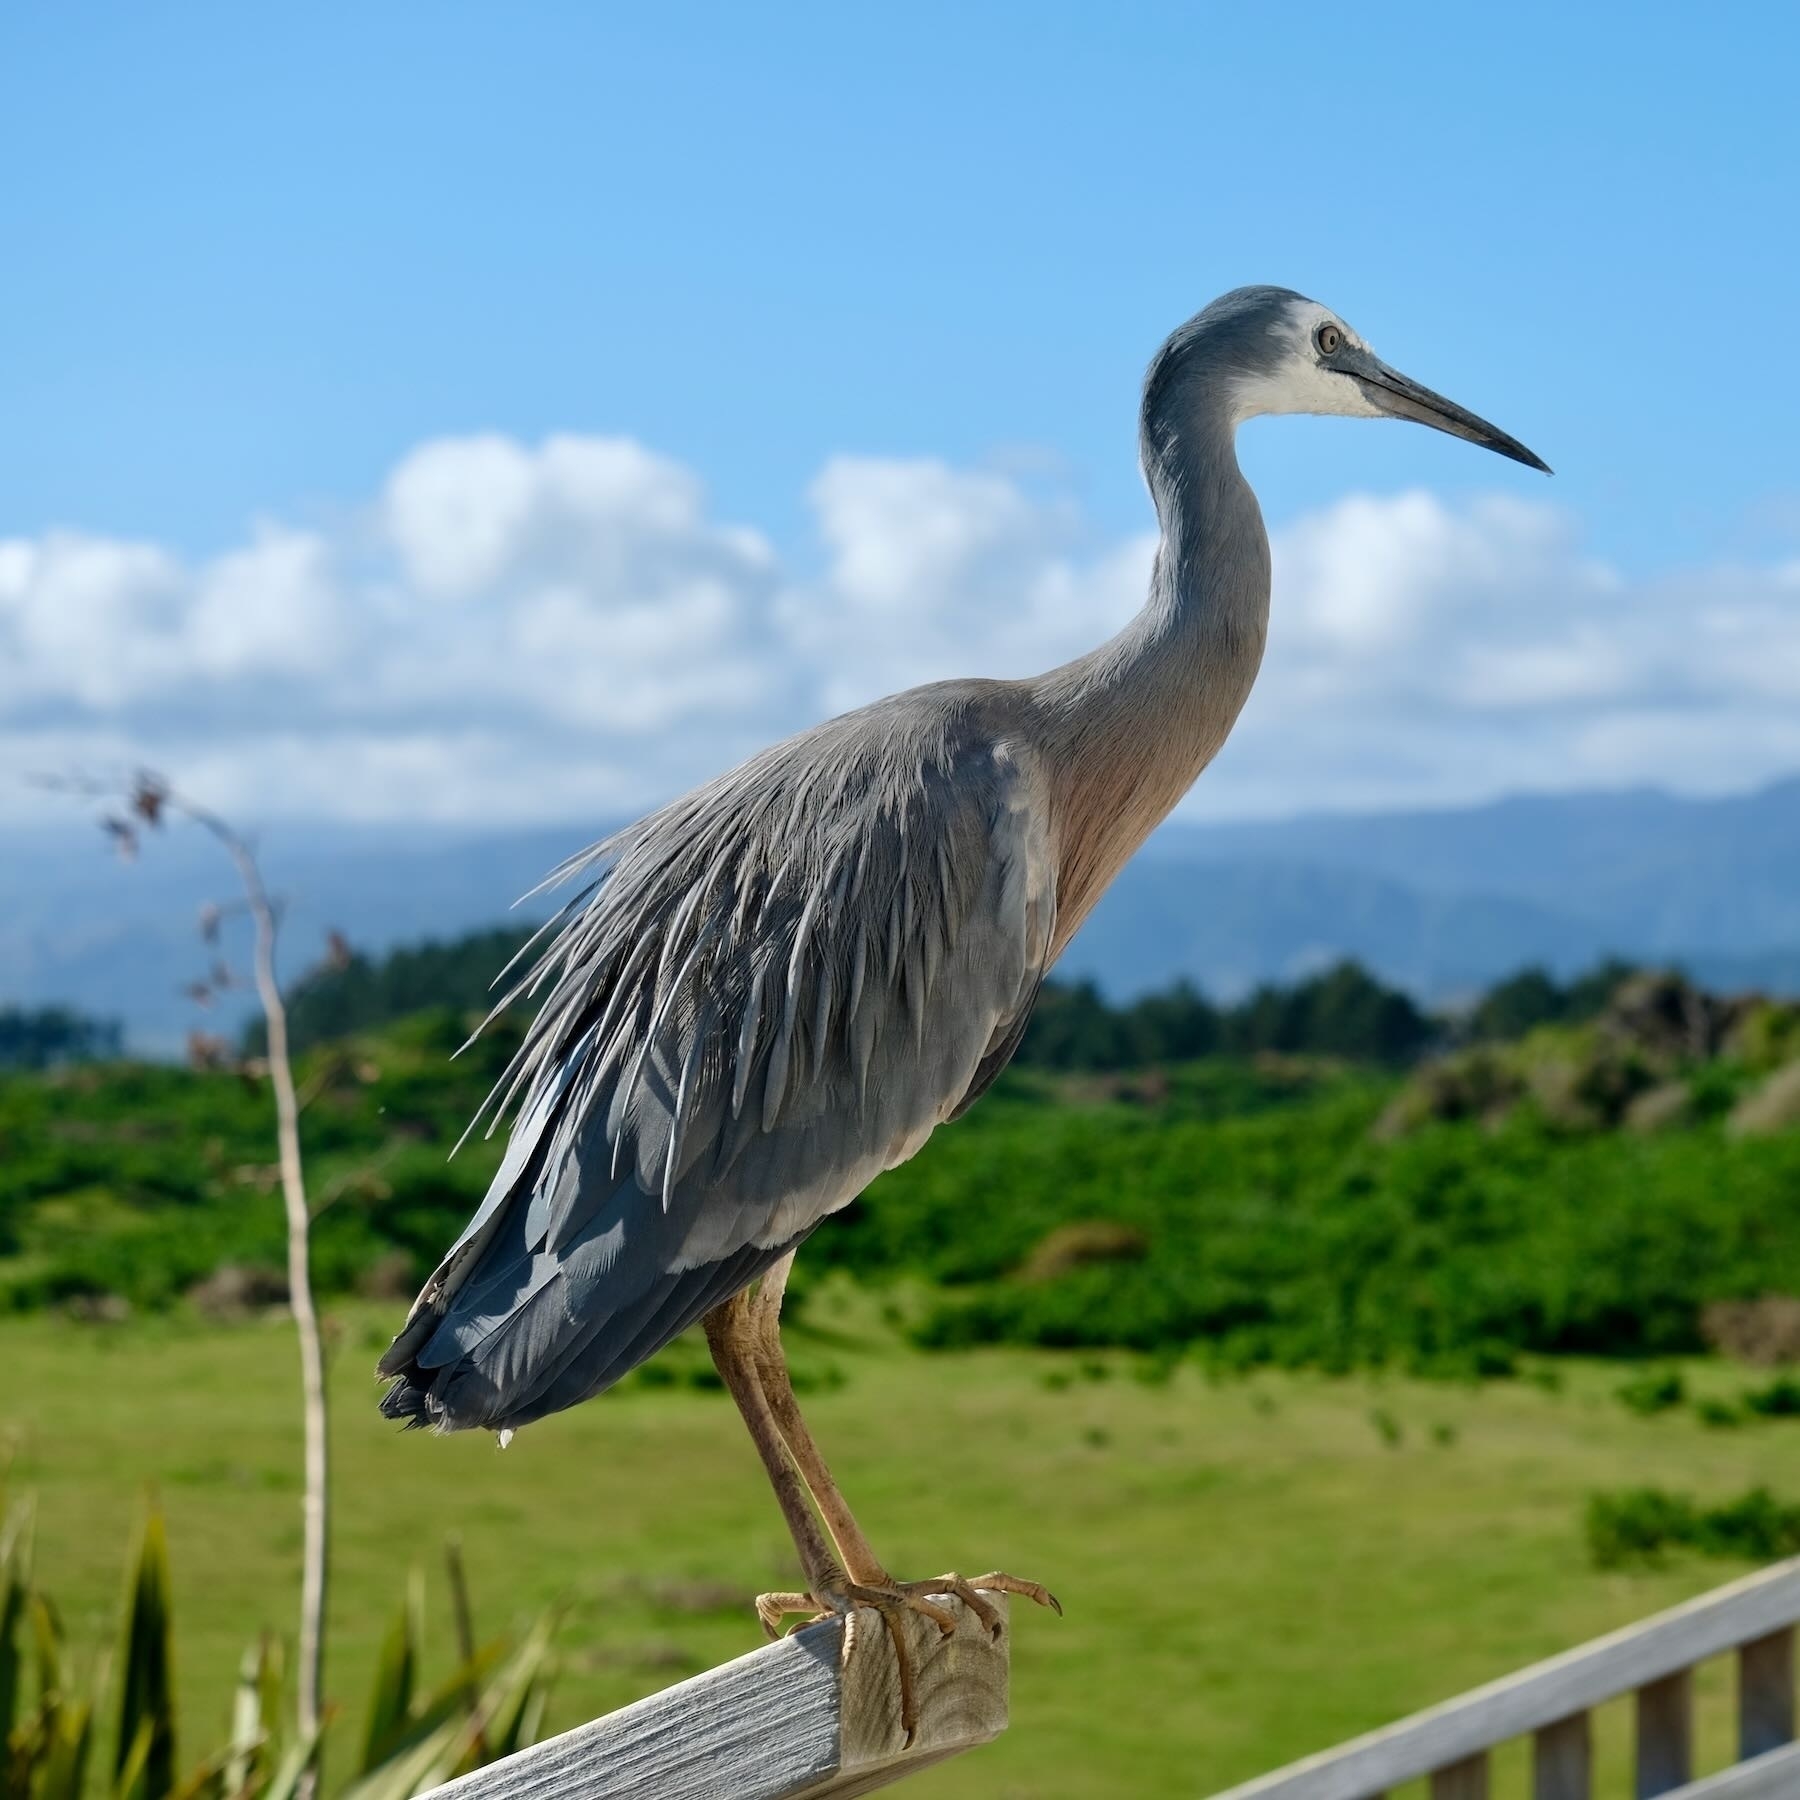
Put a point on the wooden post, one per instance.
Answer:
(1465, 1780)
(1766, 1693)
(815, 1715)
(1562, 1760)
(1665, 1734)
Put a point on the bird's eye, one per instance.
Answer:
(1328, 338)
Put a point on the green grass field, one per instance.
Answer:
(1251, 1568)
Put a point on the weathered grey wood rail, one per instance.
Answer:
(1550, 1702)
(815, 1715)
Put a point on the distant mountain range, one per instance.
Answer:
(1439, 902)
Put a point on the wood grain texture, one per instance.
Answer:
(1542, 1694)
(1465, 1780)
(960, 1683)
(1562, 1760)
(1665, 1734)
(813, 1715)
(1766, 1693)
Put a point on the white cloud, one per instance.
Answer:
(933, 571)
(510, 632)
(273, 606)
(92, 621)
(454, 510)
(1424, 654)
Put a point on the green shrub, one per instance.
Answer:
(1654, 1392)
(1780, 1399)
(1636, 1525)
(1640, 1525)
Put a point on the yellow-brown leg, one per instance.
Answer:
(731, 1336)
(864, 1567)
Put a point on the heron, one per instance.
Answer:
(768, 991)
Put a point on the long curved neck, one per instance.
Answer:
(1129, 726)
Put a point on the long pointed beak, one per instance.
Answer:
(1402, 398)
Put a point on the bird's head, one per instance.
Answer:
(1271, 350)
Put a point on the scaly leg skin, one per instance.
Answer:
(763, 1316)
(730, 1337)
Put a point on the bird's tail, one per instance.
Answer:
(406, 1401)
(530, 1334)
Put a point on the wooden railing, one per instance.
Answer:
(814, 1715)
(1550, 1702)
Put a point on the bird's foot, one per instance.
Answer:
(840, 1598)
(893, 1600)
(968, 1589)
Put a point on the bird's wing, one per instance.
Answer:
(772, 990)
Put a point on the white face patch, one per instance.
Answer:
(1298, 383)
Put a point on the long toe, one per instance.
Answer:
(907, 1596)
(997, 1583)
(774, 1610)
(963, 1591)
(892, 1608)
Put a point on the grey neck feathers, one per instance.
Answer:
(1129, 726)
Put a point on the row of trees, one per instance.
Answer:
(46, 1036)
(1531, 998)
(1342, 1011)
(353, 991)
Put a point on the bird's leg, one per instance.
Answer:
(777, 1387)
(730, 1337)
(860, 1562)
(731, 1334)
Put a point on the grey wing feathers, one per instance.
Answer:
(761, 996)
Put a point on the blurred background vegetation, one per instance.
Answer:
(1329, 1305)
(1321, 1175)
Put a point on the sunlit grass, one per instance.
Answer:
(1251, 1569)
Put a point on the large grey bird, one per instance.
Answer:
(777, 986)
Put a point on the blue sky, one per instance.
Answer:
(256, 259)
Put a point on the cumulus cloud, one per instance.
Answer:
(1421, 653)
(932, 571)
(505, 632)
(509, 632)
